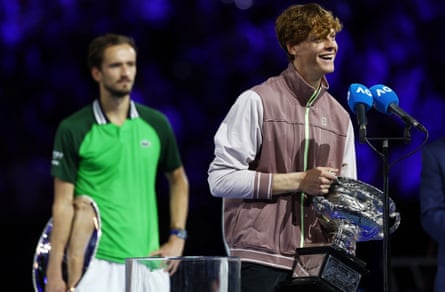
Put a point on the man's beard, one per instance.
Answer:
(117, 93)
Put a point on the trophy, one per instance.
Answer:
(86, 233)
(351, 212)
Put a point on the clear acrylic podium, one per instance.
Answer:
(191, 274)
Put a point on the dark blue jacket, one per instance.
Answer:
(432, 201)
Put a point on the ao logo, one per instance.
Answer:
(382, 90)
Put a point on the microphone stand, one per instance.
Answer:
(386, 232)
(386, 243)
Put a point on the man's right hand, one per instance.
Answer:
(318, 180)
(55, 285)
(54, 278)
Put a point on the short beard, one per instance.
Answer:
(117, 93)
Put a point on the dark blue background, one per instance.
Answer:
(195, 58)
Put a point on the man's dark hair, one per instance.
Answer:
(99, 44)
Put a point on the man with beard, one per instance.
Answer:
(109, 152)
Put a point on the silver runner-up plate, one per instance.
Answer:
(43, 249)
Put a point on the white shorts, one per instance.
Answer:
(108, 276)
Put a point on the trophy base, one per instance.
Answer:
(338, 271)
(306, 284)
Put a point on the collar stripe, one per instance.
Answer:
(101, 118)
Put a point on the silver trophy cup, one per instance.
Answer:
(354, 212)
(351, 212)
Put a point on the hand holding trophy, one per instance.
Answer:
(80, 250)
(351, 212)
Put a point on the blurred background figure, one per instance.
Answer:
(111, 151)
(432, 202)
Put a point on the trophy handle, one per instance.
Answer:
(86, 228)
(396, 217)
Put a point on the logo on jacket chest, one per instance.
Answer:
(324, 121)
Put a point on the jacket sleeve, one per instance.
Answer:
(237, 142)
(432, 196)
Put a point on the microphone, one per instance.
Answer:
(360, 101)
(386, 101)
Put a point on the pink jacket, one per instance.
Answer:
(275, 128)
